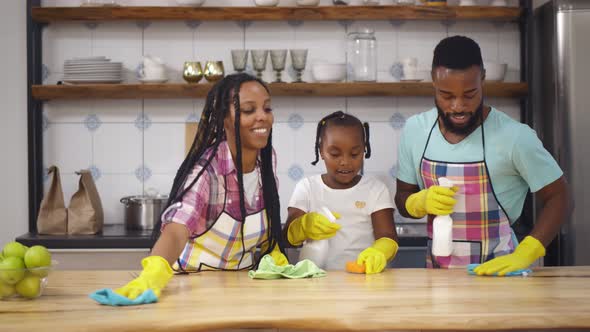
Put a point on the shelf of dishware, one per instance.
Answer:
(392, 12)
(183, 90)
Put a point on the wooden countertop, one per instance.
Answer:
(400, 299)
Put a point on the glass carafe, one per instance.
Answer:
(362, 55)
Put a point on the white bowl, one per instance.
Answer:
(307, 2)
(329, 72)
(266, 3)
(190, 2)
(495, 71)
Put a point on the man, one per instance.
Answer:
(492, 161)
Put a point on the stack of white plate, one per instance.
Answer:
(96, 69)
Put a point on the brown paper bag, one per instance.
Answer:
(85, 211)
(53, 216)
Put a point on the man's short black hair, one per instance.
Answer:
(457, 52)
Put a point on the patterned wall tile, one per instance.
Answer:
(383, 147)
(68, 146)
(118, 147)
(143, 173)
(92, 122)
(168, 111)
(295, 172)
(164, 147)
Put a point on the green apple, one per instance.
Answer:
(1, 257)
(29, 287)
(14, 249)
(36, 258)
(12, 270)
(6, 290)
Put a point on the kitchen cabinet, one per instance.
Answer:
(395, 300)
(39, 93)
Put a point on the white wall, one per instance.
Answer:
(13, 121)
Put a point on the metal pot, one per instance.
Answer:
(142, 212)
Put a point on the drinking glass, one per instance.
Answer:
(259, 61)
(278, 59)
(298, 60)
(239, 59)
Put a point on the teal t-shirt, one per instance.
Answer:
(515, 157)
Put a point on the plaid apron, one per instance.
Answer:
(481, 228)
(221, 247)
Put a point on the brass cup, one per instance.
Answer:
(214, 71)
(193, 72)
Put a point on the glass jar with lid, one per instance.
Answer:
(362, 55)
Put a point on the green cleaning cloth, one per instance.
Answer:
(267, 269)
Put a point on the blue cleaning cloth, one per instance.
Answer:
(521, 272)
(107, 296)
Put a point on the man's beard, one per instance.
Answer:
(465, 129)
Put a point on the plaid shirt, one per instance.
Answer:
(218, 186)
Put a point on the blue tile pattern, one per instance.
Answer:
(396, 23)
(92, 122)
(397, 121)
(192, 24)
(295, 23)
(193, 117)
(143, 173)
(244, 24)
(44, 122)
(295, 121)
(397, 70)
(44, 72)
(45, 173)
(91, 25)
(393, 171)
(143, 24)
(95, 171)
(295, 172)
(143, 122)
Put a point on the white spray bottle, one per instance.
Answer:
(317, 250)
(442, 229)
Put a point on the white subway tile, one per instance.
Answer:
(118, 148)
(68, 146)
(164, 147)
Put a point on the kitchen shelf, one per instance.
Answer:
(182, 90)
(85, 14)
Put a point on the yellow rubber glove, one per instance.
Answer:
(525, 254)
(375, 257)
(276, 254)
(435, 200)
(313, 226)
(155, 276)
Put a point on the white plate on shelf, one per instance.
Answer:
(153, 80)
(92, 80)
(411, 80)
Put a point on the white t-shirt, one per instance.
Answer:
(251, 182)
(355, 206)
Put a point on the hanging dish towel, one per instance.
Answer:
(109, 297)
(267, 269)
(521, 272)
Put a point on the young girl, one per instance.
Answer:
(365, 233)
(224, 201)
